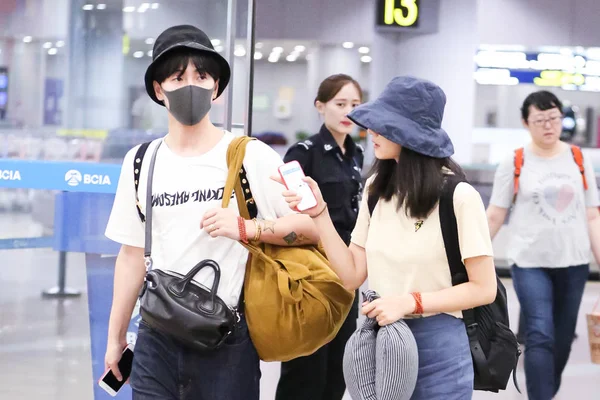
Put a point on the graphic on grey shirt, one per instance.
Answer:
(554, 194)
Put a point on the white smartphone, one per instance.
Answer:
(109, 382)
(292, 174)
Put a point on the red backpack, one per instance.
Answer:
(520, 159)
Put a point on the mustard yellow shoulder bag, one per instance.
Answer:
(293, 301)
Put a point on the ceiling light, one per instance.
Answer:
(27, 39)
(348, 45)
(60, 43)
(88, 7)
(47, 45)
(138, 54)
(154, 6)
(52, 51)
(366, 59)
(129, 9)
(149, 53)
(258, 45)
(101, 6)
(299, 48)
(291, 58)
(258, 55)
(273, 59)
(277, 49)
(143, 8)
(364, 50)
(239, 51)
(149, 40)
(215, 42)
(218, 49)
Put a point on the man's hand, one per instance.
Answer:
(221, 222)
(114, 351)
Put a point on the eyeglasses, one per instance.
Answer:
(542, 121)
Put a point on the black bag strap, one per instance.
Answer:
(249, 199)
(458, 271)
(137, 170)
(148, 227)
(371, 202)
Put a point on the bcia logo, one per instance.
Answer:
(8, 175)
(74, 178)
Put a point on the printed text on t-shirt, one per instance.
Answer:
(175, 199)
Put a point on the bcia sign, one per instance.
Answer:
(9, 175)
(74, 178)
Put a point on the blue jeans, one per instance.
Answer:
(166, 370)
(445, 364)
(550, 299)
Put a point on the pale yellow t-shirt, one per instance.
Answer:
(401, 259)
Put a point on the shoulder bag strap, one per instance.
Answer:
(458, 271)
(148, 227)
(137, 170)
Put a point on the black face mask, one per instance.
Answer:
(189, 104)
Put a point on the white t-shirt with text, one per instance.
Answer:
(183, 189)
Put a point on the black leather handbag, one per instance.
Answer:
(176, 305)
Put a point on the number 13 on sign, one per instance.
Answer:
(396, 15)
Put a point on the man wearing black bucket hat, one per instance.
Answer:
(190, 169)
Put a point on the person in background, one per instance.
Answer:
(400, 245)
(335, 161)
(553, 224)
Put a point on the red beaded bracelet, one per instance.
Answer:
(418, 303)
(242, 230)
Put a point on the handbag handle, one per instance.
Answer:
(179, 287)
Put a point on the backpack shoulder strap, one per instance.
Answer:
(450, 231)
(237, 180)
(137, 170)
(371, 202)
(518, 163)
(578, 157)
(459, 272)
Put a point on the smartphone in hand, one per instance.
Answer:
(292, 174)
(109, 382)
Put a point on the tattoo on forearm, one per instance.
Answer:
(269, 226)
(293, 238)
(290, 238)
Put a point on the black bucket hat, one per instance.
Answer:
(192, 38)
(409, 112)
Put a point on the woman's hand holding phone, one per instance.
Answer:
(293, 199)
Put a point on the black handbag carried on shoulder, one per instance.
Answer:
(176, 305)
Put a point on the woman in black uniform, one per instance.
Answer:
(335, 162)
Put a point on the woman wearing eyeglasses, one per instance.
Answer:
(553, 225)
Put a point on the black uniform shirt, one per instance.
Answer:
(338, 175)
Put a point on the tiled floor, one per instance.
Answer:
(45, 345)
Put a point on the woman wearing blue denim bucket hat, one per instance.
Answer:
(399, 245)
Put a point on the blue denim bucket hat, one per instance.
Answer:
(409, 112)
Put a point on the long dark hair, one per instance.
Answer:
(415, 179)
